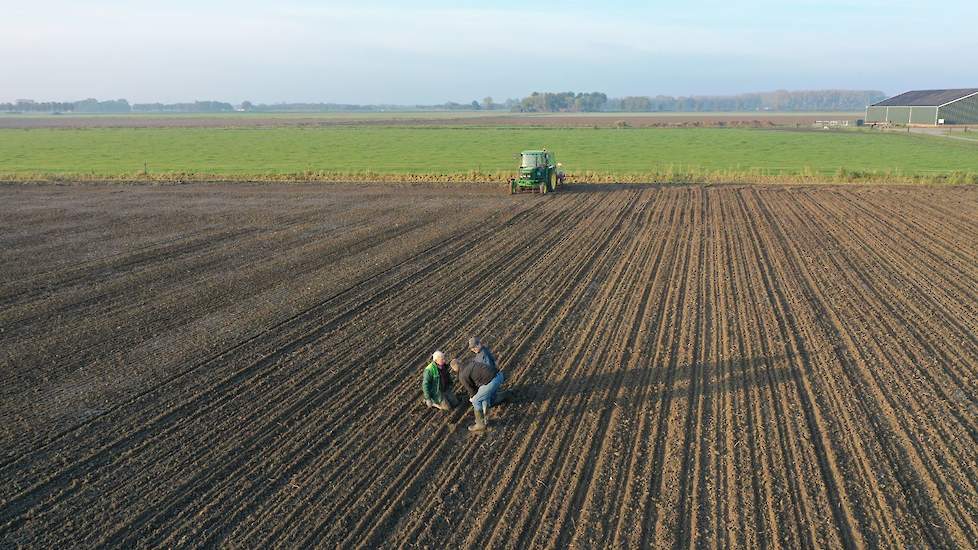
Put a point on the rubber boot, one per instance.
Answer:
(480, 422)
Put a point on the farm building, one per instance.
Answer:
(927, 107)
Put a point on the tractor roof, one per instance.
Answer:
(533, 152)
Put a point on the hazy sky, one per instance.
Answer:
(431, 51)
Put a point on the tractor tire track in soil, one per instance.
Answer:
(729, 366)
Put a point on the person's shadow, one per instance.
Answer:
(634, 390)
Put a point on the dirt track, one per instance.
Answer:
(756, 366)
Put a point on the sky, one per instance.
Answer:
(433, 51)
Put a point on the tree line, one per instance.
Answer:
(195, 107)
(84, 106)
(780, 100)
(91, 105)
(537, 102)
(549, 102)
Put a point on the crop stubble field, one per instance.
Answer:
(727, 366)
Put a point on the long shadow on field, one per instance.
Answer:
(589, 188)
(639, 388)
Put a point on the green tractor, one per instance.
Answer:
(539, 171)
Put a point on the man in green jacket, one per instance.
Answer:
(436, 384)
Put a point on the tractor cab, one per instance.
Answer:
(538, 172)
(534, 159)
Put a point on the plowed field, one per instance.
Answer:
(471, 118)
(722, 366)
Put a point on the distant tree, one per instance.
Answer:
(590, 103)
(148, 107)
(532, 103)
(636, 104)
(117, 106)
(563, 101)
(487, 103)
(92, 105)
(475, 105)
(247, 106)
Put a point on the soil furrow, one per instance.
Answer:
(693, 366)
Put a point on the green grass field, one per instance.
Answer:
(458, 153)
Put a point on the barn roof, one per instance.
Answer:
(926, 98)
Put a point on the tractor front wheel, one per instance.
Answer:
(512, 187)
(552, 184)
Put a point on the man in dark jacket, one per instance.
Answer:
(436, 384)
(482, 353)
(481, 382)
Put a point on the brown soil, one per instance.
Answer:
(722, 366)
(569, 120)
(678, 120)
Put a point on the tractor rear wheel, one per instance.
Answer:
(552, 184)
(543, 188)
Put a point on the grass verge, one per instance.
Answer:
(672, 176)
